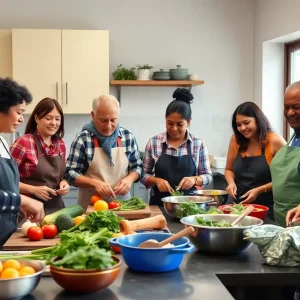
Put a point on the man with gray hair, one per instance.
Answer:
(104, 158)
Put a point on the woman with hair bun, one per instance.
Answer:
(176, 158)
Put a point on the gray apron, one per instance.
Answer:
(9, 181)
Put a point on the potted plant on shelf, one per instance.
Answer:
(122, 73)
(144, 72)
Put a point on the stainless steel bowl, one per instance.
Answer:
(20, 287)
(220, 240)
(219, 196)
(171, 203)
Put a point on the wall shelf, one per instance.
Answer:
(176, 83)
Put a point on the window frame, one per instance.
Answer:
(289, 48)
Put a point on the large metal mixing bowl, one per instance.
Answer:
(171, 203)
(17, 288)
(219, 196)
(220, 240)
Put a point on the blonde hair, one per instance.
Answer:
(104, 98)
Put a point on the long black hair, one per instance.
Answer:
(250, 109)
(181, 104)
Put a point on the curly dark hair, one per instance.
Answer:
(12, 93)
(250, 109)
(181, 104)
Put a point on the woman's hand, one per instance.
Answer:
(231, 189)
(43, 192)
(250, 196)
(292, 215)
(64, 188)
(123, 187)
(186, 183)
(163, 186)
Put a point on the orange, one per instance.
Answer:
(9, 273)
(12, 263)
(1, 267)
(100, 205)
(26, 271)
(95, 198)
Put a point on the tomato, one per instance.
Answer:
(35, 233)
(100, 205)
(95, 198)
(49, 231)
(113, 204)
(116, 249)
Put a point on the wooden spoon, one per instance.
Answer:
(245, 213)
(156, 244)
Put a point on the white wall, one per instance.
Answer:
(213, 38)
(275, 23)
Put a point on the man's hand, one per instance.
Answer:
(123, 187)
(164, 186)
(102, 188)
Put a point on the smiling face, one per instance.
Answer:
(176, 126)
(106, 117)
(292, 107)
(10, 122)
(246, 126)
(49, 124)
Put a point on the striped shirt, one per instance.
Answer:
(83, 148)
(199, 155)
(24, 152)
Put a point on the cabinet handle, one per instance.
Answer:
(66, 93)
(57, 91)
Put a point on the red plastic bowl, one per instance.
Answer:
(261, 214)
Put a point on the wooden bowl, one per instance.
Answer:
(85, 281)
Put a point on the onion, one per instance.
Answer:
(26, 226)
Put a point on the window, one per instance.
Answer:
(292, 73)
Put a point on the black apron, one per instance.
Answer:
(9, 181)
(252, 172)
(172, 169)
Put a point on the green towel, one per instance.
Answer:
(278, 246)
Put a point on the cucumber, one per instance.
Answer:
(72, 211)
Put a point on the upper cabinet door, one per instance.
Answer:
(85, 68)
(5, 53)
(37, 62)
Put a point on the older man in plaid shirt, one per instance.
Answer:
(104, 158)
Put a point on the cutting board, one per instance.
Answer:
(19, 242)
(128, 214)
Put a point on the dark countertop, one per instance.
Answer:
(199, 277)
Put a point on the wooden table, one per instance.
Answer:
(17, 242)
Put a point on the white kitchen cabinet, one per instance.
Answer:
(5, 53)
(71, 66)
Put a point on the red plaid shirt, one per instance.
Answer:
(24, 151)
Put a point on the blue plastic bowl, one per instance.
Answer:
(152, 259)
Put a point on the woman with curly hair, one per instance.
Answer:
(251, 150)
(13, 101)
(176, 158)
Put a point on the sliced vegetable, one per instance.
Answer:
(201, 221)
(131, 204)
(72, 211)
(35, 233)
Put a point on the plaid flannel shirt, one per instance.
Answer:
(199, 155)
(82, 153)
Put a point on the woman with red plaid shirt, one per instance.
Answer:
(40, 156)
